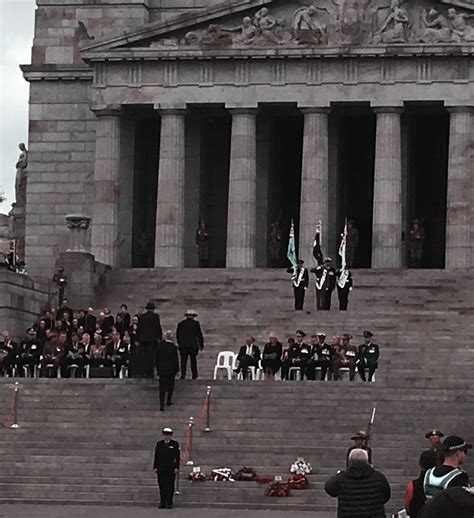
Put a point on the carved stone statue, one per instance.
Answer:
(437, 29)
(306, 28)
(460, 29)
(21, 176)
(248, 31)
(394, 29)
(266, 25)
(350, 18)
(216, 37)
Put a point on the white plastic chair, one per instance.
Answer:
(296, 371)
(225, 361)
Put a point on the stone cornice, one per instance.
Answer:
(56, 73)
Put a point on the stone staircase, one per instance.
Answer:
(92, 441)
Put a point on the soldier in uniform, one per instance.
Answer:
(352, 243)
(347, 357)
(360, 442)
(325, 284)
(29, 352)
(368, 356)
(202, 243)
(326, 355)
(304, 352)
(300, 281)
(166, 465)
(344, 287)
(291, 358)
(436, 446)
(416, 238)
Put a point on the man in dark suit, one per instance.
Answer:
(249, 356)
(167, 365)
(325, 284)
(300, 281)
(8, 353)
(166, 465)
(190, 342)
(368, 356)
(149, 334)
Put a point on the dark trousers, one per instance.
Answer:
(166, 387)
(26, 361)
(338, 364)
(361, 368)
(146, 359)
(166, 481)
(192, 355)
(343, 295)
(299, 297)
(246, 362)
(323, 300)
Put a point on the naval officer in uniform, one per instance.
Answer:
(166, 465)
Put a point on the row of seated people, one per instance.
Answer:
(60, 352)
(307, 357)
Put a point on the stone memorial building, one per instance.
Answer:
(148, 115)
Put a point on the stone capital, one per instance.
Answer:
(178, 109)
(242, 110)
(461, 109)
(396, 110)
(314, 110)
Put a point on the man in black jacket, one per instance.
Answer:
(149, 334)
(167, 365)
(300, 281)
(29, 352)
(455, 502)
(361, 491)
(190, 342)
(249, 356)
(368, 356)
(166, 465)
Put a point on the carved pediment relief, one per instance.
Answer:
(309, 23)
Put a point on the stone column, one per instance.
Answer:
(314, 181)
(105, 226)
(460, 170)
(241, 215)
(169, 243)
(387, 211)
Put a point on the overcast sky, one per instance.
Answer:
(16, 39)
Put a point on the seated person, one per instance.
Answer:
(249, 356)
(97, 352)
(368, 356)
(53, 352)
(305, 352)
(325, 356)
(76, 355)
(336, 361)
(29, 352)
(291, 358)
(8, 354)
(346, 358)
(311, 364)
(271, 357)
(117, 352)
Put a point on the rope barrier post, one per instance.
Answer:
(15, 424)
(190, 441)
(208, 410)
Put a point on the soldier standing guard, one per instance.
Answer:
(416, 238)
(360, 442)
(325, 284)
(274, 247)
(352, 243)
(60, 279)
(202, 243)
(300, 280)
(344, 287)
(166, 465)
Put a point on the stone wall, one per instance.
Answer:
(21, 300)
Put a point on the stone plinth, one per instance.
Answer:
(387, 213)
(314, 181)
(242, 190)
(460, 191)
(78, 224)
(169, 245)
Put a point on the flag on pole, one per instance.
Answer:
(317, 252)
(291, 254)
(342, 247)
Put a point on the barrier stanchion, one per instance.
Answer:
(189, 442)
(208, 410)
(15, 406)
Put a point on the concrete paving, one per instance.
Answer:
(71, 511)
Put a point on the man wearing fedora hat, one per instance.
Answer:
(449, 474)
(148, 335)
(166, 465)
(190, 342)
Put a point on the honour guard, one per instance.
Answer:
(325, 284)
(166, 465)
(360, 442)
(300, 280)
(344, 287)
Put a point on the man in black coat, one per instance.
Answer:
(166, 465)
(190, 342)
(361, 491)
(368, 356)
(455, 502)
(249, 356)
(167, 366)
(300, 281)
(149, 334)
(325, 284)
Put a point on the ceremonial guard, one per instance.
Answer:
(344, 287)
(249, 356)
(166, 465)
(167, 366)
(360, 442)
(202, 243)
(291, 358)
(190, 342)
(274, 246)
(325, 284)
(416, 238)
(368, 356)
(436, 446)
(300, 281)
(149, 334)
(352, 243)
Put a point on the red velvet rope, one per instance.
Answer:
(11, 417)
(199, 421)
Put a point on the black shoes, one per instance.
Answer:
(162, 408)
(169, 403)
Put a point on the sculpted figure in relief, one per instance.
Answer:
(350, 17)
(266, 25)
(460, 29)
(20, 179)
(306, 27)
(394, 29)
(248, 31)
(437, 29)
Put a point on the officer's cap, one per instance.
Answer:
(347, 336)
(368, 334)
(300, 333)
(434, 432)
(167, 431)
(359, 435)
(321, 335)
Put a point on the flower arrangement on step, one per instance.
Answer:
(298, 481)
(301, 467)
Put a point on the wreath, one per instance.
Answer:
(301, 467)
(298, 481)
(278, 489)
